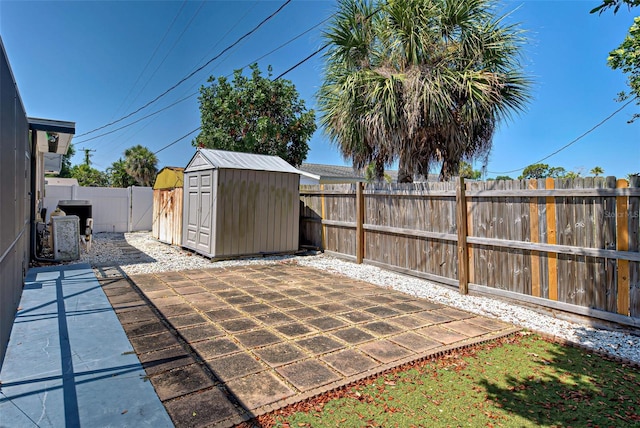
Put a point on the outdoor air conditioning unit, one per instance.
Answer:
(66, 237)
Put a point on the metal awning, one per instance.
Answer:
(52, 136)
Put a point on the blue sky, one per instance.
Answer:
(93, 62)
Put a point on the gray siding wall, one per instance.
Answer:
(15, 178)
(257, 212)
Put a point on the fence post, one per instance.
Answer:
(622, 244)
(463, 254)
(551, 239)
(359, 222)
(129, 208)
(469, 211)
(323, 215)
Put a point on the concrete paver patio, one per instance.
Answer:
(221, 346)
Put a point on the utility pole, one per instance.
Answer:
(87, 156)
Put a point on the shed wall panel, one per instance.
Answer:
(251, 211)
(167, 215)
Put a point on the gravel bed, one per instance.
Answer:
(140, 253)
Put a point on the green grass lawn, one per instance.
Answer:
(520, 381)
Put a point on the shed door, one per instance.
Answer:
(192, 208)
(205, 210)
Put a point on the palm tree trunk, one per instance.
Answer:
(405, 175)
(379, 169)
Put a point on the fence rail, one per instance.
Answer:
(564, 244)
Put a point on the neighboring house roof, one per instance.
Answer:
(169, 177)
(221, 159)
(346, 174)
(52, 136)
(57, 181)
(326, 174)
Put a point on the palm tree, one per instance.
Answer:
(140, 163)
(423, 82)
(597, 170)
(118, 175)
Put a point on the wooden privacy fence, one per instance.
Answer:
(564, 244)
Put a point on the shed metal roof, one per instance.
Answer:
(221, 159)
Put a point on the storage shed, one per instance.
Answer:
(167, 205)
(240, 204)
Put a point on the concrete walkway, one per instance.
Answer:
(221, 346)
(69, 362)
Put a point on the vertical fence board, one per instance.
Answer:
(622, 244)
(552, 259)
(580, 223)
(599, 264)
(590, 285)
(470, 254)
(609, 230)
(535, 259)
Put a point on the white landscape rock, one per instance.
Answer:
(154, 256)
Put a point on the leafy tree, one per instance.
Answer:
(467, 171)
(140, 163)
(536, 170)
(118, 175)
(570, 174)
(65, 170)
(89, 177)
(503, 177)
(256, 115)
(597, 170)
(371, 175)
(556, 172)
(626, 57)
(423, 82)
(615, 4)
(542, 170)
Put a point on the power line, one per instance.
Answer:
(179, 139)
(317, 51)
(282, 74)
(138, 120)
(570, 143)
(320, 49)
(228, 75)
(229, 31)
(244, 36)
(168, 53)
(155, 51)
(326, 45)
